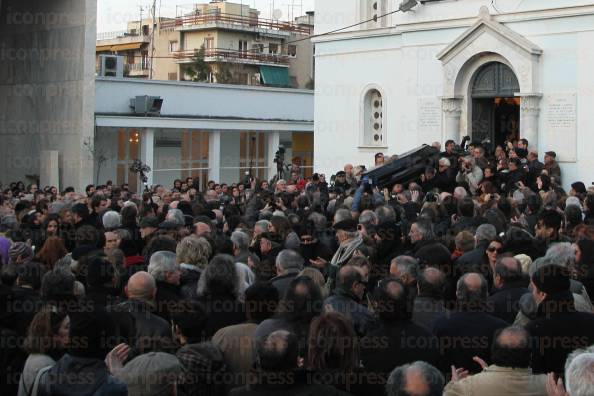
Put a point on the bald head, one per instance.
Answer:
(511, 264)
(472, 289)
(141, 286)
(473, 281)
(431, 283)
(511, 348)
(507, 269)
(418, 378)
(512, 337)
(278, 351)
(348, 275)
(415, 383)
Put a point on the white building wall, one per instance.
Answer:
(206, 100)
(401, 61)
(230, 156)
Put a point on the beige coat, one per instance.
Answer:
(497, 381)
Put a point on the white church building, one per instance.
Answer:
(445, 69)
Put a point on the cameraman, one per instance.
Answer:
(469, 173)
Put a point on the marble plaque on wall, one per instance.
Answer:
(561, 126)
(429, 117)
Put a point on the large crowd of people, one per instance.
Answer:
(474, 279)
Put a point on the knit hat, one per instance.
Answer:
(551, 279)
(151, 374)
(20, 249)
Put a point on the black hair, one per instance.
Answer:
(190, 317)
(550, 218)
(261, 301)
(30, 274)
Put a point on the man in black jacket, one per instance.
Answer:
(347, 298)
(558, 328)
(167, 273)
(427, 249)
(468, 332)
(467, 220)
(135, 319)
(509, 285)
(473, 261)
(516, 175)
(429, 304)
(288, 265)
(396, 340)
(101, 282)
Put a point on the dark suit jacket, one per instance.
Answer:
(390, 345)
(139, 327)
(504, 303)
(557, 334)
(464, 335)
(427, 310)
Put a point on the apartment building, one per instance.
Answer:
(233, 44)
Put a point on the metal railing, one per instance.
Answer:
(221, 54)
(139, 66)
(116, 34)
(235, 20)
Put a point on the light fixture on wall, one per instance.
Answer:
(407, 5)
(135, 138)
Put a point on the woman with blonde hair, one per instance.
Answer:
(316, 276)
(192, 254)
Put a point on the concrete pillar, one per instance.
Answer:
(529, 117)
(452, 110)
(50, 169)
(147, 151)
(214, 156)
(273, 140)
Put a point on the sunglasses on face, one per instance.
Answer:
(493, 249)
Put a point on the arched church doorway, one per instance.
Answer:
(495, 109)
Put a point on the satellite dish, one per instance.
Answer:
(277, 14)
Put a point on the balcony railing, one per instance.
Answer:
(138, 67)
(116, 34)
(234, 20)
(221, 55)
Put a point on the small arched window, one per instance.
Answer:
(374, 119)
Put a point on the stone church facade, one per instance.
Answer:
(494, 70)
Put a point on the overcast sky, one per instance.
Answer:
(112, 15)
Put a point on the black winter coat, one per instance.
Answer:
(138, 326)
(390, 345)
(464, 335)
(504, 303)
(557, 331)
